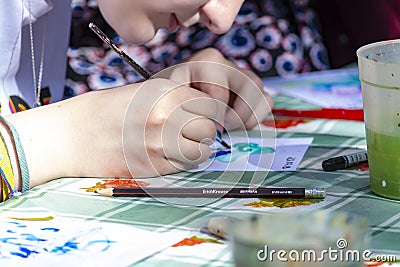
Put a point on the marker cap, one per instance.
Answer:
(315, 193)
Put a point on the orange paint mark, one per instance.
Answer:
(373, 263)
(188, 242)
(281, 203)
(194, 240)
(117, 182)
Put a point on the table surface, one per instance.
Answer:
(347, 190)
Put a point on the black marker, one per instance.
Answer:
(345, 161)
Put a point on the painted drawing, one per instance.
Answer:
(21, 240)
(239, 150)
(327, 89)
(256, 154)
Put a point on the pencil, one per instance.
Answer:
(211, 192)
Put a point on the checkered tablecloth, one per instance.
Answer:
(347, 190)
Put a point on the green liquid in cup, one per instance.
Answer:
(384, 164)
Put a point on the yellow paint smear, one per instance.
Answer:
(47, 218)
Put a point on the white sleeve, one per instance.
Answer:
(16, 75)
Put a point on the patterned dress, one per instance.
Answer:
(270, 37)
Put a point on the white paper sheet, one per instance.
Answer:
(256, 154)
(61, 241)
(328, 89)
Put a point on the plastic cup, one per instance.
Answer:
(379, 72)
(307, 239)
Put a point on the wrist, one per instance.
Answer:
(40, 130)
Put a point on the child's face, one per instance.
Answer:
(137, 21)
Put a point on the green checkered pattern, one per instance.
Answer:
(347, 190)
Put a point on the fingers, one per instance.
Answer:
(243, 106)
(241, 89)
(180, 120)
(200, 104)
(201, 130)
(221, 95)
(188, 152)
(243, 116)
(167, 128)
(185, 126)
(260, 112)
(186, 136)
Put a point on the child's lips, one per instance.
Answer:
(173, 23)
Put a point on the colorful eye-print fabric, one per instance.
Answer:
(270, 37)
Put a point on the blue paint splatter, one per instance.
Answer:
(67, 247)
(24, 252)
(31, 237)
(19, 225)
(220, 153)
(50, 229)
(24, 245)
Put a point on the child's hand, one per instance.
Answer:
(242, 102)
(172, 124)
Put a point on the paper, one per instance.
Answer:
(328, 89)
(257, 154)
(48, 240)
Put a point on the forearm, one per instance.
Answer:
(43, 134)
(72, 138)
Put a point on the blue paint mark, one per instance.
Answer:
(13, 241)
(24, 252)
(25, 245)
(19, 225)
(50, 229)
(220, 153)
(31, 237)
(107, 242)
(67, 247)
(5, 239)
(240, 149)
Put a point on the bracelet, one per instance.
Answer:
(13, 164)
(6, 169)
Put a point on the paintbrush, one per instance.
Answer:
(145, 74)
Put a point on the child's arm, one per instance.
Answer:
(145, 129)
